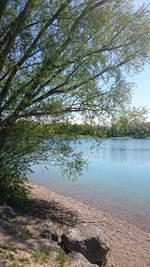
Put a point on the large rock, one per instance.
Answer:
(88, 240)
(6, 211)
(78, 260)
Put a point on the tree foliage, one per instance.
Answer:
(56, 55)
(61, 57)
(132, 122)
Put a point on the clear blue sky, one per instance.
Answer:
(141, 94)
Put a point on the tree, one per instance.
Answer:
(132, 122)
(65, 56)
(137, 121)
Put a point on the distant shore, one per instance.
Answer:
(110, 137)
(130, 246)
(128, 137)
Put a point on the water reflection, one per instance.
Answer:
(117, 179)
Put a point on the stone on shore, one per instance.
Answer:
(78, 260)
(49, 231)
(88, 240)
(6, 212)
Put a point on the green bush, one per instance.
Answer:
(13, 187)
(32, 143)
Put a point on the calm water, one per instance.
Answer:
(117, 179)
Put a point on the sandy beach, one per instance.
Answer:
(129, 245)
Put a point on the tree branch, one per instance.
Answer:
(3, 4)
(14, 32)
(29, 50)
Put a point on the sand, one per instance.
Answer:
(129, 245)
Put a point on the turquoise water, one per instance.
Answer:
(117, 179)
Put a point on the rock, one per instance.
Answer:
(6, 212)
(78, 260)
(88, 240)
(49, 232)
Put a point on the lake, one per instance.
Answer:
(117, 179)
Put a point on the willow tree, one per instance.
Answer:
(61, 57)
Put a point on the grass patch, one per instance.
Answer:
(62, 258)
(42, 255)
(121, 137)
(24, 260)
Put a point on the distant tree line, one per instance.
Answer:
(131, 123)
(117, 129)
(141, 130)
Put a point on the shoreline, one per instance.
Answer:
(21, 241)
(105, 206)
(129, 245)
